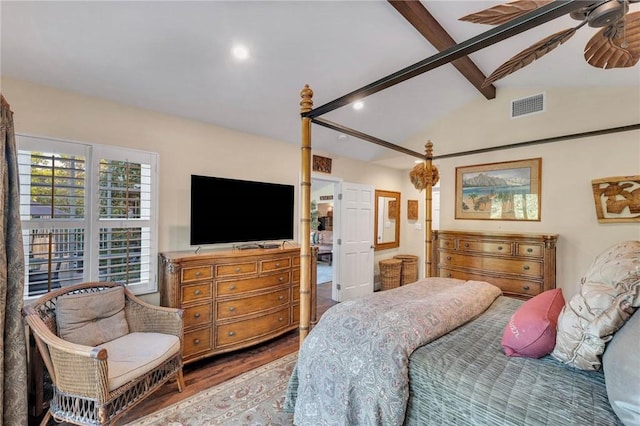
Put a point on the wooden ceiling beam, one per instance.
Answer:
(516, 26)
(423, 21)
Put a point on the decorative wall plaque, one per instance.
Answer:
(412, 209)
(321, 164)
(617, 199)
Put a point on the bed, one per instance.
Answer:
(459, 375)
(434, 353)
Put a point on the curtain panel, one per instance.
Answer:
(13, 365)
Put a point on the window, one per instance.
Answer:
(88, 214)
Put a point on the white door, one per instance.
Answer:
(355, 242)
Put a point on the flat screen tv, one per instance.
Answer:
(235, 211)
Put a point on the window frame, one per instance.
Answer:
(91, 222)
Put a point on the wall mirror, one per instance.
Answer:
(387, 231)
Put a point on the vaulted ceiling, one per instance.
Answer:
(175, 58)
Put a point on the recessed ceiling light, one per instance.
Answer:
(358, 105)
(240, 52)
(342, 137)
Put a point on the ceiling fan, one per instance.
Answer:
(615, 45)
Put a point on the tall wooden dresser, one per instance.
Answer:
(522, 265)
(233, 299)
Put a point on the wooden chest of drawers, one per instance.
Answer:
(522, 265)
(233, 299)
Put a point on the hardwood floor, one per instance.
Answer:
(203, 374)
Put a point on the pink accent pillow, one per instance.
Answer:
(531, 331)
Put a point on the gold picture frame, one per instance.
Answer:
(509, 190)
(321, 164)
(617, 199)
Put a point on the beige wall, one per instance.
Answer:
(185, 147)
(567, 167)
(188, 147)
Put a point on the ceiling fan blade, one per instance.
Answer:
(502, 13)
(605, 49)
(530, 54)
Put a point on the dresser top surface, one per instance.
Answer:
(228, 252)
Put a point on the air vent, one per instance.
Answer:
(526, 106)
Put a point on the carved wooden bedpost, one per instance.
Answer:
(306, 104)
(428, 209)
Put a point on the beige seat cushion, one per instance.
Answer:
(92, 318)
(135, 354)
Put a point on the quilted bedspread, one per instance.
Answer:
(353, 366)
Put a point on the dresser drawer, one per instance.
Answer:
(507, 285)
(239, 331)
(295, 276)
(275, 264)
(231, 269)
(197, 315)
(446, 243)
(195, 292)
(296, 260)
(295, 314)
(295, 293)
(197, 341)
(493, 247)
(197, 273)
(496, 264)
(250, 305)
(532, 250)
(227, 288)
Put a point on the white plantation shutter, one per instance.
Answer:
(88, 214)
(125, 218)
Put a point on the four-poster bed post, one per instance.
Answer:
(306, 104)
(428, 166)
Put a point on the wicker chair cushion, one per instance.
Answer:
(92, 318)
(133, 355)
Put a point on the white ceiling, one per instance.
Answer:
(174, 57)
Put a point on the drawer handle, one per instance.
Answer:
(196, 315)
(280, 297)
(198, 273)
(232, 287)
(238, 269)
(466, 244)
(281, 279)
(280, 319)
(196, 341)
(277, 265)
(525, 267)
(449, 275)
(525, 288)
(232, 308)
(448, 257)
(232, 333)
(499, 247)
(529, 250)
(197, 292)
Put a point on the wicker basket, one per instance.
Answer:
(390, 271)
(409, 268)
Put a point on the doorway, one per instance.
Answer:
(323, 218)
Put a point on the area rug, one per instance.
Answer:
(253, 398)
(324, 273)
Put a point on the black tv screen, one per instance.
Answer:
(233, 211)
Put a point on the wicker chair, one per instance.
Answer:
(80, 374)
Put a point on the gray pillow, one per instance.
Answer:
(92, 318)
(621, 365)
